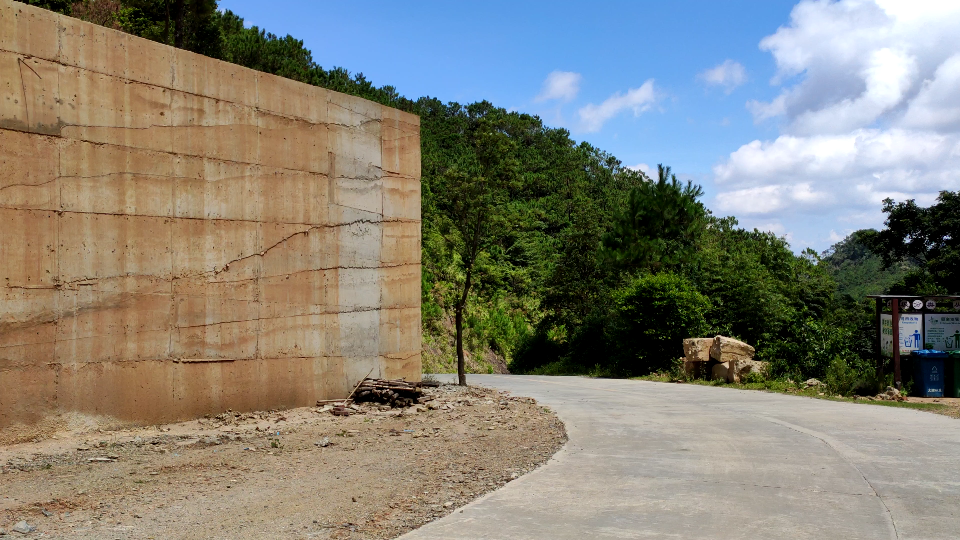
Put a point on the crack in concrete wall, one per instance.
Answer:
(180, 236)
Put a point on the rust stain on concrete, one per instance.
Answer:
(180, 236)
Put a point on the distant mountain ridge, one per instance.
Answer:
(858, 271)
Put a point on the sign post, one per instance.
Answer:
(895, 328)
(942, 331)
(877, 347)
(906, 324)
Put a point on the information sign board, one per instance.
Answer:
(910, 337)
(942, 331)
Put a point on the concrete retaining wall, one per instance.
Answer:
(181, 236)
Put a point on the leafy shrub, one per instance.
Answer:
(499, 326)
(539, 354)
(841, 378)
(754, 377)
(651, 316)
(871, 384)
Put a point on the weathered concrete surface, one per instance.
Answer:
(655, 460)
(180, 236)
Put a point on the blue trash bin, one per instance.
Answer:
(929, 373)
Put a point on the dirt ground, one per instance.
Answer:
(301, 473)
(952, 408)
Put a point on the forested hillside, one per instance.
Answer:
(858, 271)
(548, 255)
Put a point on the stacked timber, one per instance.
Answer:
(396, 393)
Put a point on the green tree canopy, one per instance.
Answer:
(659, 227)
(858, 271)
(930, 236)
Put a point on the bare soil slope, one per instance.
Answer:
(302, 473)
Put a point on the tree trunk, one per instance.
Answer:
(461, 366)
(458, 311)
(166, 26)
(179, 30)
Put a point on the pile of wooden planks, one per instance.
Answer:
(396, 393)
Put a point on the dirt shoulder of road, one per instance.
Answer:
(300, 473)
(945, 406)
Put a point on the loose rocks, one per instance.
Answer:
(23, 528)
(891, 394)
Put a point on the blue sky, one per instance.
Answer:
(796, 117)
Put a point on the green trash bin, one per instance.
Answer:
(952, 388)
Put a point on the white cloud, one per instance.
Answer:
(765, 200)
(937, 105)
(765, 111)
(868, 107)
(887, 77)
(860, 61)
(729, 75)
(774, 226)
(592, 117)
(833, 237)
(644, 168)
(837, 173)
(562, 85)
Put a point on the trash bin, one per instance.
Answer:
(929, 374)
(953, 374)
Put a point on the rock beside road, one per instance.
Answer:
(725, 349)
(890, 394)
(739, 369)
(697, 349)
(719, 358)
(720, 371)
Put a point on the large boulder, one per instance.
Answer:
(726, 349)
(719, 372)
(740, 368)
(697, 349)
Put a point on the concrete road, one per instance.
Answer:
(654, 460)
